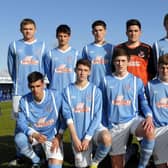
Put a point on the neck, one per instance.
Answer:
(63, 47)
(100, 42)
(81, 84)
(133, 44)
(121, 74)
(29, 40)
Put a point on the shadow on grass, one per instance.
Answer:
(7, 153)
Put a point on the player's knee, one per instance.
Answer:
(105, 138)
(21, 140)
(150, 134)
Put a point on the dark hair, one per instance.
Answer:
(35, 76)
(132, 22)
(27, 21)
(83, 61)
(163, 59)
(98, 23)
(63, 29)
(165, 19)
(120, 52)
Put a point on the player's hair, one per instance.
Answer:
(132, 22)
(27, 21)
(99, 23)
(120, 52)
(83, 61)
(165, 19)
(63, 28)
(35, 76)
(163, 59)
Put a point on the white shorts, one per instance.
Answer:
(56, 154)
(15, 106)
(120, 134)
(47, 149)
(83, 159)
(160, 152)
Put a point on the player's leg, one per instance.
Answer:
(103, 142)
(55, 159)
(120, 134)
(25, 147)
(147, 143)
(160, 151)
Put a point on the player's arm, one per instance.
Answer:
(96, 116)
(148, 122)
(67, 114)
(10, 61)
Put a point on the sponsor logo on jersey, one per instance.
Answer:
(119, 101)
(134, 63)
(80, 107)
(163, 103)
(63, 69)
(28, 60)
(43, 123)
(99, 60)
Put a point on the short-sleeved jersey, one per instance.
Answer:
(142, 61)
(157, 93)
(100, 57)
(43, 117)
(24, 58)
(122, 98)
(83, 108)
(59, 66)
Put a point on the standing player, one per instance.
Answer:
(123, 95)
(24, 56)
(99, 53)
(160, 47)
(82, 110)
(142, 61)
(60, 61)
(39, 122)
(157, 92)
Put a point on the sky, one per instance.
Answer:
(79, 15)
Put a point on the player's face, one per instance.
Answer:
(121, 64)
(82, 72)
(37, 89)
(99, 33)
(163, 72)
(133, 33)
(28, 32)
(63, 39)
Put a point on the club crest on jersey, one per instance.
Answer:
(141, 54)
(80, 107)
(63, 69)
(99, 60)
(48, 108)
(119, 101)
(163, 103)
(28, 60)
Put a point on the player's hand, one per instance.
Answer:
(85, 144)
(55, 144)
(77, 144)
(39, 137)
(148, 124)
